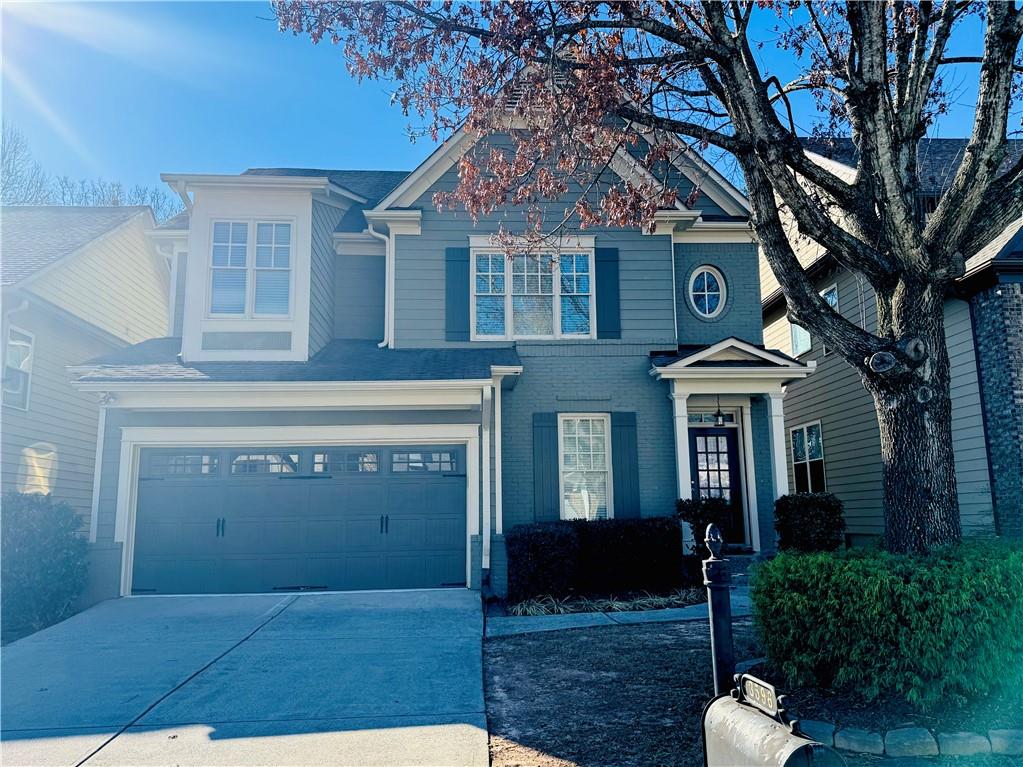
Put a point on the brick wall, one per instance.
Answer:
(998, 327)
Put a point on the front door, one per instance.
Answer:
(715, 472)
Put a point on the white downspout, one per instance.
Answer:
(388, 280)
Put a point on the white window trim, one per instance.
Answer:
(479, 250)
(824, 348)
(250, 269)
(606, 417)
(721, 282)
(792, 452)
(31, 364)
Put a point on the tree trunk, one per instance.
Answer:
(914, 413)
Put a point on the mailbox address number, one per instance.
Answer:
(759, 694)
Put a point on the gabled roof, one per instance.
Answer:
(371, 184)
(730, 353)
(34, 237)
(156, 361)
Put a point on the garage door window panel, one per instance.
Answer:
(195, 464)
(265, 463)
(410, 462)
(346, 461)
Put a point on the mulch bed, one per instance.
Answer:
(891, 712)
(628, 696)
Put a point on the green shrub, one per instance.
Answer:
(542, 560)
(43, 561)
(941, 628)
(603, 557)
(700, 512)
(809, 522)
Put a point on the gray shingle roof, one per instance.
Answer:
(156, 361)
(937, 158)
(32, 237)
(371, 184)
(178, 222)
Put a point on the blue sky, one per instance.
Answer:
(129, 90)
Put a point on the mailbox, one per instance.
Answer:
(748, 728)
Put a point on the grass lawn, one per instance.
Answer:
(614, 696)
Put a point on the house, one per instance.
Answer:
(361, 392)
(77, 282)
(831, 426)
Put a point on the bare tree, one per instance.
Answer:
(67, 191)
(590, 78)
(22, 179)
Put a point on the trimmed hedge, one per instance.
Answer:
(942, 628)
(809, 522)
(603, 557)
(43, 562)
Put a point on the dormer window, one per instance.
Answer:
(250, 269)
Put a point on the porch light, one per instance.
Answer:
(719, 417)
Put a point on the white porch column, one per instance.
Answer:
(485, 406)
(498, 462)
(777, 415)
(681, 416)
(751, 476)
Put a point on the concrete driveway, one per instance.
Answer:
(368, 678)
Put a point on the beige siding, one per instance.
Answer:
(115, 283)
(835, 396)
(57, 413)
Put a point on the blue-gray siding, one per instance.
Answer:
(359, 298)
(321, 286)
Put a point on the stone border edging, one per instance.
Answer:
(915, 741)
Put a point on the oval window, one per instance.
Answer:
(707, 291)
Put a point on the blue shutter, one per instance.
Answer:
(546, 503)
(609, 319)
(624, 465)
(456, 294)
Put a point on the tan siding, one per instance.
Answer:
(57, 413)
(115, 283)
(835, 396)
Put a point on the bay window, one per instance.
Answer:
(250, 269)
(532, 296)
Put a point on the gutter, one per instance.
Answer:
(388, 280)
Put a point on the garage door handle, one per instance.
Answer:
(219, 520)
(381, 523)
(387, 523)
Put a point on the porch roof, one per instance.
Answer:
(731, 359)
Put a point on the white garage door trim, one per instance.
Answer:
(135, 438)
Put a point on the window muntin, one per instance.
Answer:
(346, 462)
(808, 458)
(584, 457)
(532, 296)
(17, 376)
(404, 462)
(195, 464)
(707, 292)
(265, 463)
(250, 269)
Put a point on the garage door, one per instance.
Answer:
(289, 519)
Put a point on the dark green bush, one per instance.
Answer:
(603, 557)
(43, 561)
(542, 560)
(941, 628)
(809, 522)
(700, 512)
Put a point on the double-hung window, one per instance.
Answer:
(17, 368)
(250, 269)
(584, 457)
(533, 296)
(808, 458)
(800, 336)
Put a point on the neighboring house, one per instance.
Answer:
(833, 439)
(362, 392)
(77, 282)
